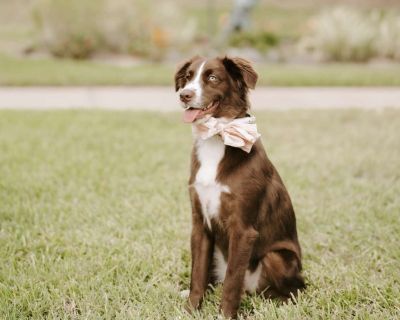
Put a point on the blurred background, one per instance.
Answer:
(94, 210)
(130, 42)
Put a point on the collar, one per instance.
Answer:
(240, 133)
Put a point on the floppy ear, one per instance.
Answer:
(241, 70)
(180, 74)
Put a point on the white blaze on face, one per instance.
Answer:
(195, 86)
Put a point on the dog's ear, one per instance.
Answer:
(180, 74)
(242, 71)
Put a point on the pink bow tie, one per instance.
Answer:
(240, 133)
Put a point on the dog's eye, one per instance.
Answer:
(211, 77)
(188, 76)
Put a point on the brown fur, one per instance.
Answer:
(256, 221)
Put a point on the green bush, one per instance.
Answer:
(388, 41)
(134, 27)
(69, 28)
(347, 34)
(261, 41)
(146, 28)
(77, 29)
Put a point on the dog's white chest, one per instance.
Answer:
(209, 153)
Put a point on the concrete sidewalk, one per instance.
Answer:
(165, 99)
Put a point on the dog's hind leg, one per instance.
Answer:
(282, 271)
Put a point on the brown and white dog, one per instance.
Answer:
(243, 224)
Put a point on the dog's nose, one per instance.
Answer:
(186, 95)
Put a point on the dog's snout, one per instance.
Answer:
(186, 95)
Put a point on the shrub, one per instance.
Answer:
(388, 41)
(76, 29)
(147, 28)
(345, 34)
(135, 27)
(261, 41)
(342, 34)
(69, 28)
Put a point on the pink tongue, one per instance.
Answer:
(190, 115)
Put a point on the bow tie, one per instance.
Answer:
(240, 133)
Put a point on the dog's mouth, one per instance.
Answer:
(192, 114)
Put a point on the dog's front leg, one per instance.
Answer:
(202, 248)
(241, 242)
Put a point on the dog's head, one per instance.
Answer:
(217, 86)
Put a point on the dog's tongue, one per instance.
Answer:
(189, 115)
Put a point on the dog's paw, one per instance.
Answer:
(184, 294)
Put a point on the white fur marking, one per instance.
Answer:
(251, 279)
(220, 265)
(184, 294)
(195, 85)
(209, 153)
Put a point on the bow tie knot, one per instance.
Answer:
(240, 133)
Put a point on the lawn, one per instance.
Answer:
(29, 72)
(95, 218)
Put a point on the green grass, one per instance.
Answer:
(25, 72)
(345, 74)
(95, 218)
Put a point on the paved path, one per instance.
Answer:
(165, 99)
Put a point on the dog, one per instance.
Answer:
(243, 223)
